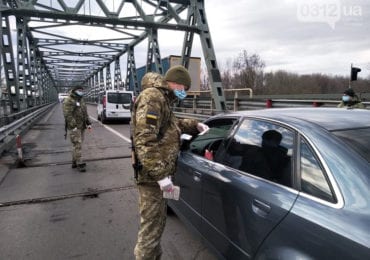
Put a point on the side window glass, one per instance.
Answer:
(208, 144)
(263, 149)
(313, 179)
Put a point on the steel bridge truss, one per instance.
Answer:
(49, 46)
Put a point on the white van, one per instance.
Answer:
(114, 105)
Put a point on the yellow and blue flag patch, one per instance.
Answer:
(151, 118)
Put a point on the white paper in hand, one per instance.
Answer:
(185, 137)
(174, 194)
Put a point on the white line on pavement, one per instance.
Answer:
(112, 130)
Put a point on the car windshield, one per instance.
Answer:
(119, 98)
(358, 139)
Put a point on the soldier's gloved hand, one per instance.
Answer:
(74, 129)
(166, 184)
(202, 128)
(89, 127)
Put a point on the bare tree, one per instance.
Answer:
(227, 75)
(247, 69)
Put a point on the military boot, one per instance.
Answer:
(74, 164)
(81, 167)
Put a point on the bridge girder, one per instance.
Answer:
(56, 38)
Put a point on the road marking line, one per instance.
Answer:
(112, 130)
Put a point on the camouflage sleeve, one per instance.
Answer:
(68, 108)
(341, 104)
(188, 126)
(86, 115)
(148, 119)
(361, 105)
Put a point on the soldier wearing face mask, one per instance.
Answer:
(76, 120)
(350, 100)
(156, 140)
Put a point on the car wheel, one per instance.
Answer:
(98, 116)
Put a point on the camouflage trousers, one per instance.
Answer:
(153, 213)
(77, 138)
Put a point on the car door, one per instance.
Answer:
(241, 201)
(124, 101)
(189, 179)
(192, 165)
(323, 224)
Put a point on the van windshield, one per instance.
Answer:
(119, 98)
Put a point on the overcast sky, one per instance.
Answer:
(301, 36)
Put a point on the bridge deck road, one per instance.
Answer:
(50, 211)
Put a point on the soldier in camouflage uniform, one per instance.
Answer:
(156, 138)
(77, 120)
(350, 100)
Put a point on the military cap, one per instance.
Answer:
(180, 75)
(349, 92)
(151, 79)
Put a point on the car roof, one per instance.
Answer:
(328, 118)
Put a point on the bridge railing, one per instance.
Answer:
(9, 132)
(194, 107)
(199, 105)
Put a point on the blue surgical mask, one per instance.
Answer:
(345, 98)
(79, 93)
(181, 94)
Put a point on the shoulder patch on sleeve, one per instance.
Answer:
(151, 118)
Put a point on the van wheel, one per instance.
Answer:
(98, 116)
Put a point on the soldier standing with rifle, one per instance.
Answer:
(76, 122)
(156, 140)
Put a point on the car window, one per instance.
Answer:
(313, 180)
(261, 148)
(119, 98)
(219, 130)
(358, 139)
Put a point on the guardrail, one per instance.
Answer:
(9, 132)
(6, 119)
(195, 107)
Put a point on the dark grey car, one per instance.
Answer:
(280, 184)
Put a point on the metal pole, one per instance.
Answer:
(350, 75)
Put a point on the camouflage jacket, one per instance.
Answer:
(356, 103)
(75, 112)
(156, 133)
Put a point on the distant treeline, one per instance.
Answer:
(282, 82)
(247, 71)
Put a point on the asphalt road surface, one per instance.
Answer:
(50, 211)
